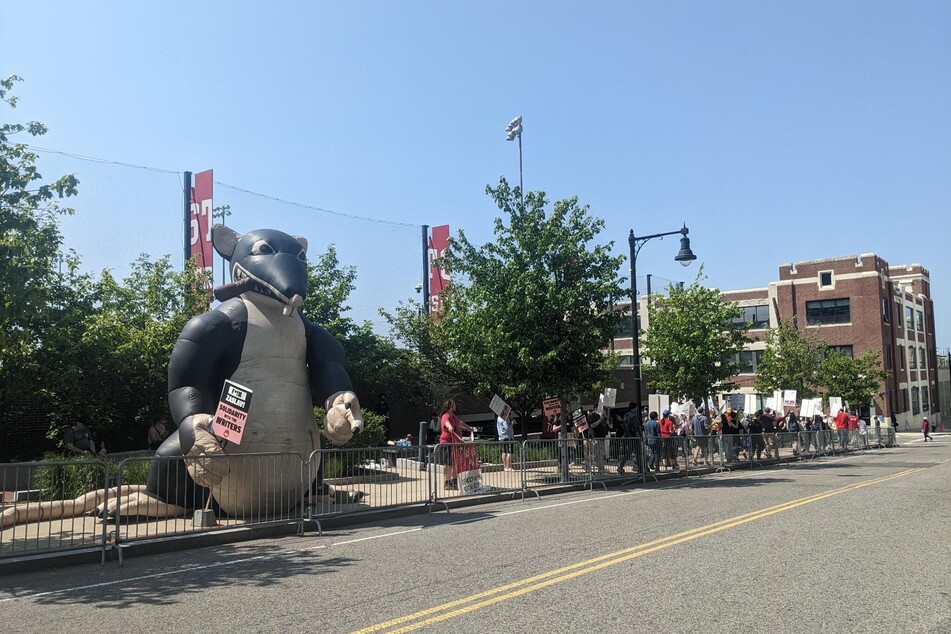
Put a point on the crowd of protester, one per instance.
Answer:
(700, 437)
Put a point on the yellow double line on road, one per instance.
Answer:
(474, 602)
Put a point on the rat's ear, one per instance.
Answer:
(224, 240)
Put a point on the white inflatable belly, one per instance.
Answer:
(281, 416)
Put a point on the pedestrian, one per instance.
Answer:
(451, 425)
(157, 434)
(598, 428)
(926, 429)
(768, 423)
(632, 431)
(756, 435)
(842, 427)
(853, 426)
(701, 438)
(79, 440)
(652, 436)
(506, 430)
(728, 431)
(668, 441)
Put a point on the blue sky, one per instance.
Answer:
(777, 131)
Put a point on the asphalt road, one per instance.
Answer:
(852, 544)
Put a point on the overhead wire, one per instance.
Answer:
(243, 190)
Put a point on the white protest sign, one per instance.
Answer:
(749, 403)
(658, 402)
(789, 398)
(835, 404)
(808, 408)
(498, 406)
(609, 396)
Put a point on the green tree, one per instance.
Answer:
(375, 364)
(692, 341)
(790, 361)
(527, 315)
(107, 361)
(29, 241)
(857, 381)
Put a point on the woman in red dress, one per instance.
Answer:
(450, 426)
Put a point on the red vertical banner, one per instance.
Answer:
(438, 243)
(202, 204)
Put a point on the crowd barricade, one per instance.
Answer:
(55, 507)
(44, 506)
(628, 457)
(555, 462)
(476, 468)
(349, 481)
(218, 492)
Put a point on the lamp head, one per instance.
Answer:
(685, 256)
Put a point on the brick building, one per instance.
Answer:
(854, 304)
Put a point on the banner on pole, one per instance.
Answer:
(202, 206)
(438, 243)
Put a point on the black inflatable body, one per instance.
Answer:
(258, 338)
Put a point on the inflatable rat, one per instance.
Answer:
(257, 338)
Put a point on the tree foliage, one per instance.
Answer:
(790, 361)
(29, 238)
(692, 341)
(375, 364)
(527, 315)
(857, 381)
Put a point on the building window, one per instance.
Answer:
(910, 317)
(825, 279)
(886, 310)
(846, 350)
(747, 361)
(757, 315)
(925, 400)
(912, 359)
(888, 356)
(921, 359)
(915, 403)
(921, 321)
(624, 329)
(901, 357)
(898, 317)
(828, 311)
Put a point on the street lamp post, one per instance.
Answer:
(513, 130)
(685, 256)
(221, 212)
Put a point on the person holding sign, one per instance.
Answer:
(506, 430)
(450, 426)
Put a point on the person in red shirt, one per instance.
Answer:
(668, 440)
(926, 429)
(451, 428)
(853, 426)
(842, 426)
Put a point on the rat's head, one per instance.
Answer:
(266, 261)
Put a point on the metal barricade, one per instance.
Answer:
(351, 481)
(554, 462)
(45, 506)
(215, 492)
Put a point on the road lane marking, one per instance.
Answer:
(459, 607)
